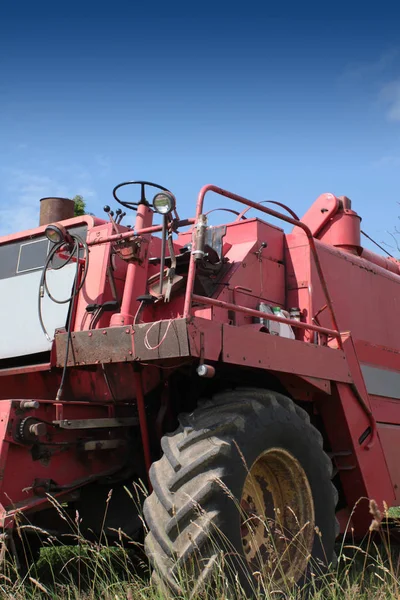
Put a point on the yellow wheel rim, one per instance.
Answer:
(277, 517)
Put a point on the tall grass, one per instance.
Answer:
(88, 570)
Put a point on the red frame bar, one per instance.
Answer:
(130, 234)
(64, 256)
(272, 213)
(144, 430)
(125, 236)
(257, 313)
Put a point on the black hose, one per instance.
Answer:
(43, 288)
(49, 262)
(75, 291)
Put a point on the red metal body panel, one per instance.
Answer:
(345, 359)
(390, 439)
(320, 213)
(274, 353)
(387, 411)
(30, 233)
(61, 467)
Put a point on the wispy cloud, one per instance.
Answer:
(371, 70)
(390, 96)
(20, 209)
(379, 78)
(387, 161)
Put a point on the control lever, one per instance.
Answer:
(110, 214)
(119, 216)
(122, 215)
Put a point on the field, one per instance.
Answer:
(92, 570)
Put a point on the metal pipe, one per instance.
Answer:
(144, 431)
(272, 213)
(131, 234)
(252, 312)
(381, 261)
(136, 278)
(162, 260)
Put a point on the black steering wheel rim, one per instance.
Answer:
(143, 200)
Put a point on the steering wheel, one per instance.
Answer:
(143, 200)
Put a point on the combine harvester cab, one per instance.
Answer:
(248, 376)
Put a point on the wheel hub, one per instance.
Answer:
(277, 516)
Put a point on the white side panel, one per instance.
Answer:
(21, 333)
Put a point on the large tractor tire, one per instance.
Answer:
(243, 479)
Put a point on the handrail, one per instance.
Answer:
(252, 312)
(127, 235)
(269, 211)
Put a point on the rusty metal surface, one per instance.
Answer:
(143, 342)
(163, 339)
(114, 344)
(55, 209)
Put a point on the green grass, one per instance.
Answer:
(91, 571)
(394, 512)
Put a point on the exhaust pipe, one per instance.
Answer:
(53, 210)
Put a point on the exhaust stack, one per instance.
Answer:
(55, 209)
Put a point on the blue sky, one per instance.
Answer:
(267, 106)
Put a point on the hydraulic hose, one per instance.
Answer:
(77, 286)
(43, 287)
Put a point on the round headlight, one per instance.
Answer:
(54, 234)
(164, 203)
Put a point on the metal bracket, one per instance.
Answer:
(96, 423)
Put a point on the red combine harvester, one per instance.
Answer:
(253, 375)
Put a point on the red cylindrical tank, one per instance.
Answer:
(381, 261)
(344, 232)
(344, 229)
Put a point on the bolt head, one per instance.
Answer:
(38, 429)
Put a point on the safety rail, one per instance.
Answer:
(252, 312)
(127, 235)
(190, 297)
